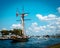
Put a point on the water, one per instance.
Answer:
(32, 43)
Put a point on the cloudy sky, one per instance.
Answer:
(44, 15)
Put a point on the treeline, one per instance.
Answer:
(14, 31)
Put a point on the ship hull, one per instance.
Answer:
(20, 40)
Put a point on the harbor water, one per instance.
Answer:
(33, 42)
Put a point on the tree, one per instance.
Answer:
(4, 32)
(17, 32)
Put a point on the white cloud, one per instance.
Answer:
(45, 28)
(52, 26)
(58, 9)
(34, 24)
(40, 16)
(46, 18)
(16, 26)
(35, 28)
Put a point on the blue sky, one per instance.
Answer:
(37, 10)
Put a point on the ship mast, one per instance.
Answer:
(22, 19)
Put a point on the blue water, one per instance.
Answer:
(32, 43)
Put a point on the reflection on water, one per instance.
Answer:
(32, 43)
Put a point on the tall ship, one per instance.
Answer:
(23, 37)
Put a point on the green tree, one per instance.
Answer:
(4, 32)
(17, 32)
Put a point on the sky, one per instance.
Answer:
(44, 15)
